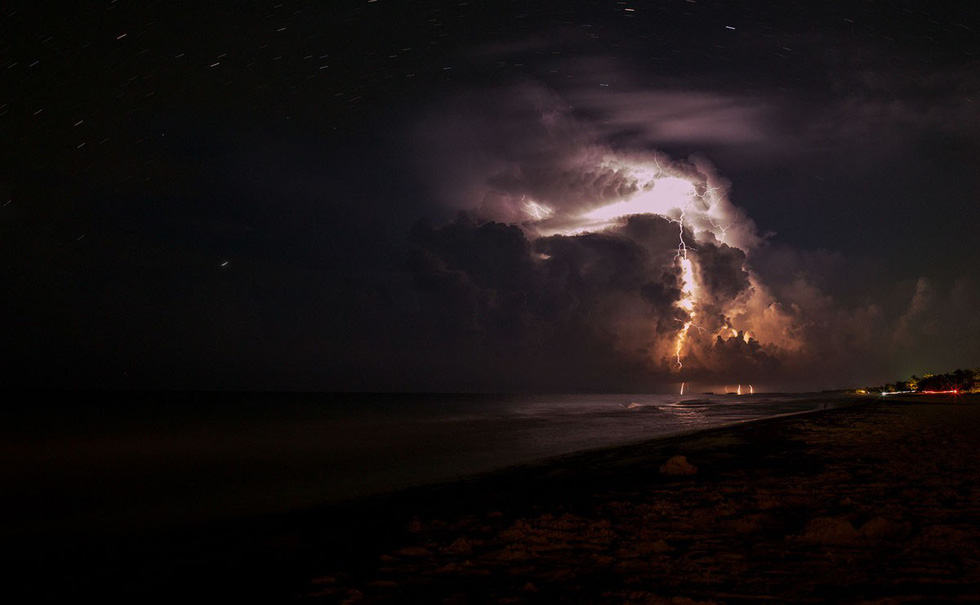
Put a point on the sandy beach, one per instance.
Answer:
(875, 504)
(878, 503)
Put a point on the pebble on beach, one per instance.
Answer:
(678, 466)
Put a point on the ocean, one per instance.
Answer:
(145, 461)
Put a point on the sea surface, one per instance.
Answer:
(123, 462)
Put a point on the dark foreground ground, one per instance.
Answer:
(878, 503)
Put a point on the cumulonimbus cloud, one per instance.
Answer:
(643, 250)
(568, 246)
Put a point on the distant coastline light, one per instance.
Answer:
(949, 392)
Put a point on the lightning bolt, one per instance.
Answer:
(709, 206)
(687, 290)
(687, 303)
(688, 286)
(688, 201)
(536, 210)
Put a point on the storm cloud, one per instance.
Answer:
(524, 268)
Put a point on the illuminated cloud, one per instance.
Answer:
(688, 117)
(641, 256)
(644, 252)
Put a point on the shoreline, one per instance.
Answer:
(540, 529)
(116, 469)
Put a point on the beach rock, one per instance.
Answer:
(661, 546)
(678, 466)
(829, 530)
(877, 528)
(460, 546)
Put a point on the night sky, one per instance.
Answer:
(389, 196)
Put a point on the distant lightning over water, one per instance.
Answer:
(678, 197)
(694, 295)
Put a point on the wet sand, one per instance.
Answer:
(879, 503)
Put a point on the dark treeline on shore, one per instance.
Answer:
(961, 381)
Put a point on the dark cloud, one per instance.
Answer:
(783, 312)
(742, 358)
(518, 140)
(692, 118)
(484, 286)
(722, 271)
